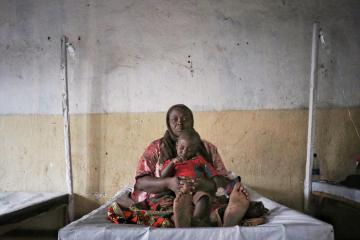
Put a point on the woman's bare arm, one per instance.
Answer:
(156, 185)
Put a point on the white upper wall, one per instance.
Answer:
(133, 56)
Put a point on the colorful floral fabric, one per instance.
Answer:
(148, 209)
(138, 216)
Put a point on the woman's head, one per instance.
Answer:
(178, 118)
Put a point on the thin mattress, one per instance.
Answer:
(337, 190)
(282, 223)
(16, 207)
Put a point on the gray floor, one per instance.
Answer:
(30, 234)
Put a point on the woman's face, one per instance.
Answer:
(179, 120)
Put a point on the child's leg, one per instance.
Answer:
(202, 208)
(183, 208)
(201, 214)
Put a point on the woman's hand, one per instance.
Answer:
(198, 184)
(166, 203)
(176, 183)
(173, 184)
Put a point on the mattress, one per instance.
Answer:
(282, 223)
(337, 190)
(17, 207)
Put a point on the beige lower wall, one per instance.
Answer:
(266, 147)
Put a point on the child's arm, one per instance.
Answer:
(168, 171)
(220, 181)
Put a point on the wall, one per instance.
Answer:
(242, 66)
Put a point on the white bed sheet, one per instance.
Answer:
(13, 201)
(282, 223)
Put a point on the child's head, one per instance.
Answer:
(187, 144)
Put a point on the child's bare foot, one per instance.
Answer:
(183, 208)
(237, 207)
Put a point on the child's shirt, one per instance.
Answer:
(193, 168)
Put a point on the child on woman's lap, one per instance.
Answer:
(190, 164)
(193, 209)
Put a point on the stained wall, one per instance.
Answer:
(242, 66)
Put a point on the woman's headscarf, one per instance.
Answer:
(168, 142)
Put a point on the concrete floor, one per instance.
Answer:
(30, 234)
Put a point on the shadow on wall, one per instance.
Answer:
(95, 126)
(83, 204)
(93, 153)
(280, 197)
(337, 143)
(266, 192)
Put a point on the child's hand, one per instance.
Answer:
(178, 159)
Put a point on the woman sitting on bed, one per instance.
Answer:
(191, 164)
(151, 204)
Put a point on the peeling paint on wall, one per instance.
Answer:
(132, 56)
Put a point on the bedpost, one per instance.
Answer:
(311, 119)
(65, 111)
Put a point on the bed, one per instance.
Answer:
(339, 205)
(282, 223)
(18, 207)
(336, 190)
